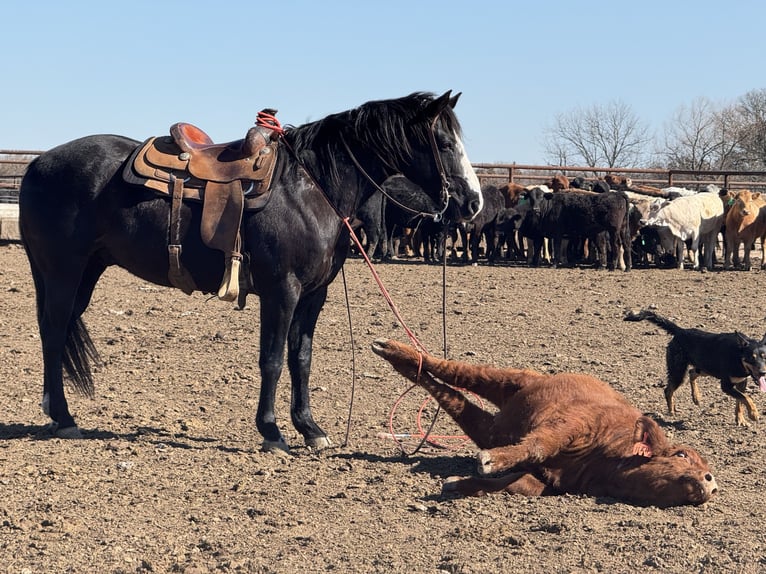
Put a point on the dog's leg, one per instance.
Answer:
(676, 363)
(736, 390)
(739, 414)
(695, 374)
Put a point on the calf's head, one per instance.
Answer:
(663, 474)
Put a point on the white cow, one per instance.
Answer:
(697, 218)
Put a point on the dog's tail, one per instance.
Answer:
(655, 318)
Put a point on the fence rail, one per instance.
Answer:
(532, 174)
(13, 163)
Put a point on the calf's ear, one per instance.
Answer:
(647, 437)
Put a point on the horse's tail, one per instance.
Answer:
(79, 354)
(657, 319)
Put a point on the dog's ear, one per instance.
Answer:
(763, 341)
(743, 340)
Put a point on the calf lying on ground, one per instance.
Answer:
(555, 434)
(729, 357)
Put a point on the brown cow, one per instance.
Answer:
(744, 224)
(512, 192)
(617, 182)
(556, 434)
(559, 183)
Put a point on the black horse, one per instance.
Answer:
(78, 217)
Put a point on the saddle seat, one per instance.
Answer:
(222, 162)
(227, 178)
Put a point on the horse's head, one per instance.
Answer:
(419, 136)
(439, 162)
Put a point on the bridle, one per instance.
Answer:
(436, 216)
(269, 121)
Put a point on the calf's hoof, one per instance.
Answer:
(451, 483)
(484, 462)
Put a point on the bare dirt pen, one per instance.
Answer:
(169, 476)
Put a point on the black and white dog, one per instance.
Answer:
(729, 357)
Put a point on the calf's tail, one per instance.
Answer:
(657, 319)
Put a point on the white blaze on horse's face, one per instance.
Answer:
(469, 174)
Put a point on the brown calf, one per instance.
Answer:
(744, 224)
(555, 434)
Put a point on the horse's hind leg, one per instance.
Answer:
(299, 349)
(62, 297)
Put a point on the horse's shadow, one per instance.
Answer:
(157, 436)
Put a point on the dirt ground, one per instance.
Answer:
(169, 476)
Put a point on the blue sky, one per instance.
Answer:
(75, 67)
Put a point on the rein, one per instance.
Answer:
(437, 216)
(269, 121)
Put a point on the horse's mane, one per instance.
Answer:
(386, 127)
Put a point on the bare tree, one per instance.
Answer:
(605, 136)
(751, 113)
(702, 136)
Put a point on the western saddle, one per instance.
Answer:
(227, 178)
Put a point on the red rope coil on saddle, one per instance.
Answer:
(267, 118)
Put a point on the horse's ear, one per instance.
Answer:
(435, 107)
(453, 100)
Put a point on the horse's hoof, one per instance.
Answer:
(484, 460)
(318, 442)
(277, 446)
(69, 432)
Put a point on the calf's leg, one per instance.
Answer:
(470, 417)
(538, 445)
(514, 483)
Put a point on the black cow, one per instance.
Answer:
(484, 224)
(507, 225)
(370, 217)
(600, 186)
(574, 215)
(581, 183)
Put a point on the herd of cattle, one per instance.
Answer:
(575, 222)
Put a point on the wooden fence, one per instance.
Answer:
(14, 162)
(534, 174)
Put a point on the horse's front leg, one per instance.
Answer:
(299, 348)
(276, 314)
